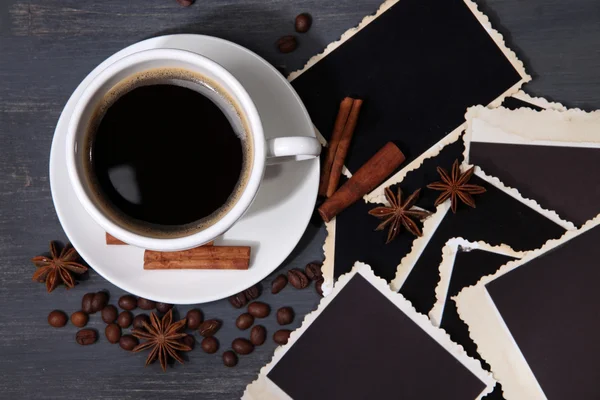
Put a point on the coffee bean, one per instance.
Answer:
(259, 309)
(57, 319)
(146, 304)
(185, 3)
(128, 342)
(244, 321)
(79, 319)
(209, 327)
(278, 284)
(297, 278)
(319, 286)
(113, 333)
(285, 315)
(139, 319)
(86, 336)
(210, 345)
(109, 314)
(189, 341)
(242, 346)
(125, 319)
(194, 318)
(86, 302)
(99, 301)
(238, 300)
(258, 335)
(230, 359)
(287, 44)
(303, 23)
(313, 271)
(252, 293)
(128, 302)
(281, 336)
(163, 307)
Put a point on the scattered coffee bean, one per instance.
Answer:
(79, 319)
(242, 346)
(252, 293)
(194, 318)
(297, 278)
(113, 333)
(109, 314)
(57, 319)
(86, 302)
(313, 271)
(146, 304)
(128, 302)
(189, 341)
(163, 307)
(86, 336)
(259, 309)
(99, 301)
(238, 300)
(285, 315)
(287, 44)
(258, 335)
(319, 286)
(303, 23)
(185, 3)
(125, 319)
(210, 345)
(128, 342)
(278, 284)
(209, 327)
(281, 336)
(139, 319)
(244, 321)
(230, 359)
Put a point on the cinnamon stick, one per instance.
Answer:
(338, 128)
(367, 178)
(203, 257)
(342, 148)
(111, 240)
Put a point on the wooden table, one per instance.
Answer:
(48, 46)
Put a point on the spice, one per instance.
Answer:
(303, 23)
(79, 319)
(57, 319)
(203, 257)
(111, 240)
(278, 284)
(367, 178)
(455, 186)
(399, 214)
(286, 44)
(297, 278)
(189, 341)
(162, 337)
(57, 268)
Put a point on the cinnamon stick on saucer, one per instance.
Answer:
(203, 257)
(367, 178)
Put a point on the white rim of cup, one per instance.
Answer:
(258, 146)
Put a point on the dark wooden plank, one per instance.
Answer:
(48, 46)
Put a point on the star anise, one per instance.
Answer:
(456, 187)
(58, 267)
(162, 336)
(399, 213)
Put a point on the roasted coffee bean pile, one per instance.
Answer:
(126, 318)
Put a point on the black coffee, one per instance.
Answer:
(164, 157)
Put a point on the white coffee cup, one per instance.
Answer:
(264, 152)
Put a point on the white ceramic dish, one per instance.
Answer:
(272, 226)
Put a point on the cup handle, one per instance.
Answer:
(296, 148)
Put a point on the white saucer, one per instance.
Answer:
(272, 226)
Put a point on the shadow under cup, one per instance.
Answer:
(164, 150)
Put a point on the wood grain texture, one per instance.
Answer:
(48, 46)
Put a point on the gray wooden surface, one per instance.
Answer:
(48, 46)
